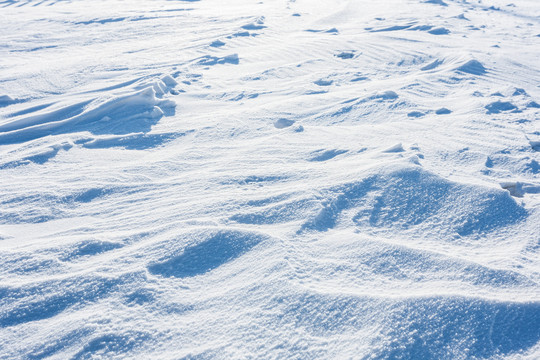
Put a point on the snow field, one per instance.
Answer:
(269, 179)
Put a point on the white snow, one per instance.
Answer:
(289, 179)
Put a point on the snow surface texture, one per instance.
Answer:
(269, 179)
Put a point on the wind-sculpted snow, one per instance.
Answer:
(403, 199)
(206, 179)
(121, 115)
(410, 197)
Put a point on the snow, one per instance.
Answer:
(269, 179)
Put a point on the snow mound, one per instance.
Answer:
(410, 197)
(473, 67)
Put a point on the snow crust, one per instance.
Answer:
(266, 179)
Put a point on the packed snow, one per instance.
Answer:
(273, 179)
